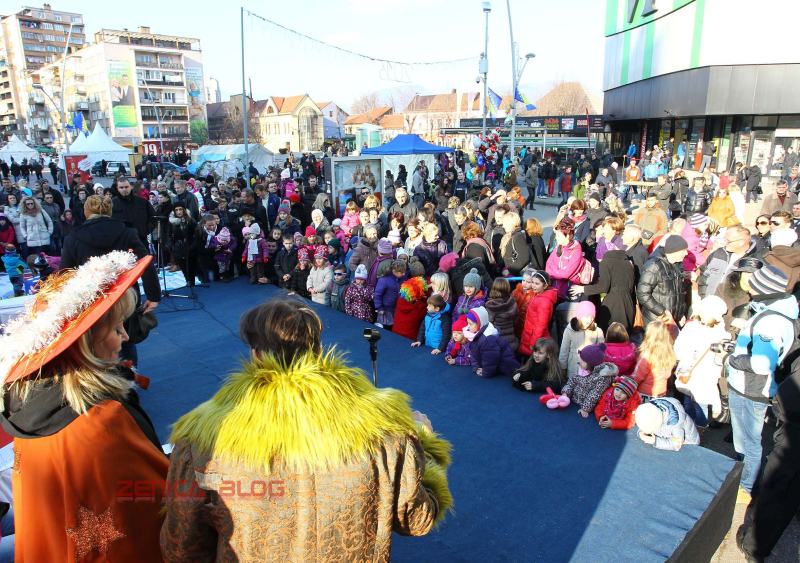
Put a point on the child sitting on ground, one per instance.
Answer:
(299, 280)
(256, 253)
(593, 377)
(617, 405)
(663, 423)
(491, 354)
(541, 370)
(458, 353)
(581, 331)
(334, 297)
(358, 299)
(436, 328)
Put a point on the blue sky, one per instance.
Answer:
(566, 36)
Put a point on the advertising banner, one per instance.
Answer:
(122, 83)
(73, 164)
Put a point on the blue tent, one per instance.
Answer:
(407, 144)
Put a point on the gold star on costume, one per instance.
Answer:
(93, 532)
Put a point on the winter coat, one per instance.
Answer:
(537, 320)
(661, 288)
(492, 354)
(135, 212)
(586, 390)
(624, 355)
(343, 494)
(651, 383)
(715, 269)
(183, 237)
(604, 246)
(663, 193)
(535, 374)
(696, 202)
(15, 217)
(100, 235)
(651, 221)
(435, 329)
(723, 211)
(429, 253)
(262, 254)
(563, 264)
(358, 302)
(773, 203)
(616, 281)
(516, 255)
(299, 282)
(387, 291)
(692, 347)
(365, 253)
(460, 353)
(620, 415)
(678, 428)
(334, 297)
(522, 299)
(464, 304)
(380, 266)
(349, 222)
(320, 279)
(503, 314)
(409, 210)
(786, 259)
(285, 263)
(572, 341)
(36, 229)
(408, 315)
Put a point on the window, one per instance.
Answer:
(29, 35)
(76, 40)
(76, 19)
(49, 37)
(57, 18)
(47, 25)
(56, 26)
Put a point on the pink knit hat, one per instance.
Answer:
(585, 309)
(448, 262)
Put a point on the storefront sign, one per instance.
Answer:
(567, 124)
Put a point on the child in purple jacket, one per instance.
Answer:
(458, 353)
(387, 290)
(491, 354)
(473, 295)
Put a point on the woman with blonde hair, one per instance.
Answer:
(35, 225)
(535, 232)
(722, 209)
(514, 248)
(657, 359)
(84, 448)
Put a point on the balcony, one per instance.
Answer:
(163, 83)
(168, 116)
(161, 101)
(79, 106)
(184, 135)
(170, 65)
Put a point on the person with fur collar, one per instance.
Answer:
(594, 376)
(491, 354)
(363, 466)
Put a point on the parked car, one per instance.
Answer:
(112, 168)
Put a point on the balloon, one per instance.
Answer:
(476, 142)
(469, 174)
(472, 159)
(481, 160)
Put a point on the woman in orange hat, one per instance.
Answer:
(89, 470)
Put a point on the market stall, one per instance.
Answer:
(17, 150)
(228, 160)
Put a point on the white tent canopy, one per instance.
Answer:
(17, 150)
(99, 146)
(77, 145)
(231, 156)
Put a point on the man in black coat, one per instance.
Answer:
(133, 210)
(57, 197)
(661, 291)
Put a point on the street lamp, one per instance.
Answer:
(483, 65)
(60, 109)
(158, 114)
(515, 78)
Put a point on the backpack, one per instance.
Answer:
(790, 365)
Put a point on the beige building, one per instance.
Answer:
(293, 122)
(428, 115)
(29, 40)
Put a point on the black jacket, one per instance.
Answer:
(135, 212)
(616, 281)
(661, 288)
(517, 253)
(697, 202)
(100, 235)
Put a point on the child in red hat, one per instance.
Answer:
(457, 353)
(617, 405)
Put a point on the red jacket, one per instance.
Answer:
(523, 299)
(408, 317)
(623, 355)
(537, 320)
(7, 237)
(619, 420)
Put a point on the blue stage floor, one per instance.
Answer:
(529, 484)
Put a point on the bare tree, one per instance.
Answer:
(564, 98)
(399, 98)
(231, 130)
(365, 103)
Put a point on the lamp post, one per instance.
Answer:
(515, 78)
(158, 115)
(60, 109)
(483, 65)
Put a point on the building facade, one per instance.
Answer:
(292, 123)
(146, 90)
(29, 40)
(681, 69)
(429, 115)
(333, 118)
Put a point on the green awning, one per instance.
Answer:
(45, 150)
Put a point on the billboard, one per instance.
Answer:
(122, 84)
(193, 67)
(647, 38)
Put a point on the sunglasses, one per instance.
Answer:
(338, 274)
(762, 222)
(776, 223)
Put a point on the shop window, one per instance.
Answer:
(765, 121)
(789, 122)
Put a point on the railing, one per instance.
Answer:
(167, 117)
(164, 83)
(175, 66)
(162, 101)
(167, 136)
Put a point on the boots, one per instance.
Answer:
(724, 416)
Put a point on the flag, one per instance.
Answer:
(77, 121)
(522, 98)
(494, 101)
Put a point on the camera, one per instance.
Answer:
(723, 347)
(372, 334)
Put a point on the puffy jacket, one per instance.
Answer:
(537, 320)
(464, 303)
(503, 314)
(320, 279)
(697, 202)
(36, 229)
(365, 253)
(358, 302)
(435, 329)
(429, 253)
(663, 193)
(661, 288)
(623, 420)
(285, 263)
(621, 354)
(386, 292)
(334, 297)
(713, 271)
(492, 354)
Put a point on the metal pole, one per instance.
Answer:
(244, 110)
(514, 80)
(485, 68)
(63, 81)
(158, 117)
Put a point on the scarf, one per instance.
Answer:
(469, 335)
(583, 372)
(615, 410)
(480, 242)
(252, 249)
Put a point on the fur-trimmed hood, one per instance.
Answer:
(316, 413)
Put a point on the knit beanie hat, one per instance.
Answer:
(479, 316)
(448, 262)
(649, 418)
(712, 307)
(321, 251)
(294, 198)
(384, 246)
(310, 230)
(460, 324)
(284, 207)
(361, 272)
(585, 309)
(472, 279)
(402, 252)
(298, 238)
(394, 237)
(302, 254)
(254, 229)
(593, 354)
(336, 223)
(335, 243)
(783, 237)
(627, 384)
(596, 196)
(675, 243)
(415, 267)
(768, 280)
(698, 221)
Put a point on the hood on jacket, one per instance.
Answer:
(606, 369)
(786, 305)
(621, 351)
(499, 306)
(787, 255)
